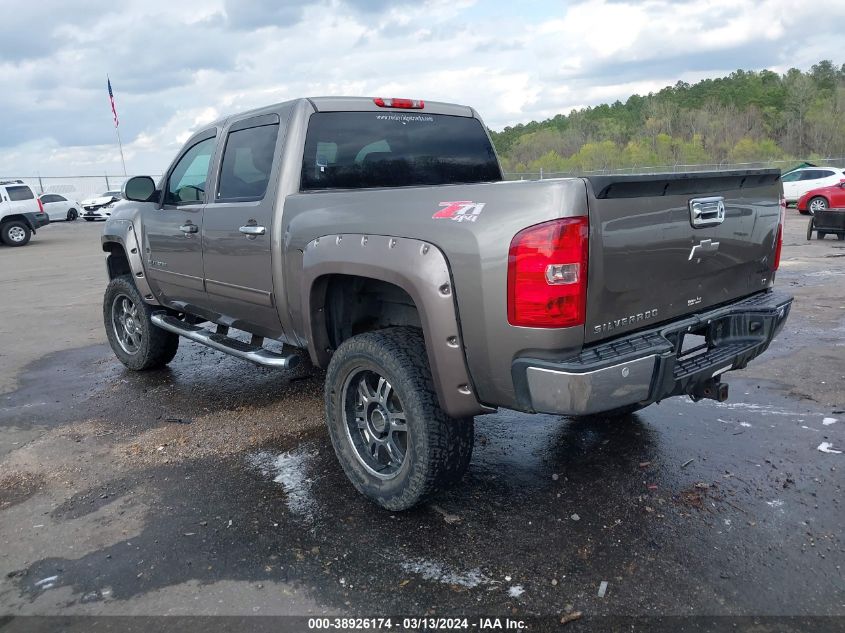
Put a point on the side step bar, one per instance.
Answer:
(253, 353)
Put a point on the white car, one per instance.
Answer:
(100, 208)
(797, 183)
(60, 208)
(21, 213)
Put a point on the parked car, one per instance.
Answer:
(58, 207)
(21, 213)
(832, 196)
(797, 183)
(378, 235)
(100, 207)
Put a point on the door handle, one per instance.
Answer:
(189, 228)
(252, 230)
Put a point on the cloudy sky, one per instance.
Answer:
(177, 65)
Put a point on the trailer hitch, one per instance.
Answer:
(712, 389)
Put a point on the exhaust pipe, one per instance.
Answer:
(711, 390)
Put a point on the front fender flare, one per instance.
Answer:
(123, 233)
(422, 271)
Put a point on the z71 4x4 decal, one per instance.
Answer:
(459, 211)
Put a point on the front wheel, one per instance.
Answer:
(72, 214)
(15, 233)
(134, 339)
(817, 204)
(394, 442)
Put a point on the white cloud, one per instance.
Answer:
(176, 66)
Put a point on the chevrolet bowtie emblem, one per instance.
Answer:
(703, 248)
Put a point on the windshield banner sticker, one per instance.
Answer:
(405, 118)
(459, 211)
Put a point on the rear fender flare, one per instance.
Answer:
(421, 270)
(19, 216)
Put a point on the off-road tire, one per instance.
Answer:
(439, 447)
(157, 347)
(19, 227)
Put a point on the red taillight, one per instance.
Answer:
(410, 104)
(40, 205)
(779, 243)
(547, 274)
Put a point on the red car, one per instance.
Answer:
(822, 198)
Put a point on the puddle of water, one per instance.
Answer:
(290, 470)
(439, 572)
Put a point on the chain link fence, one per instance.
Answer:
(74, 187)
(783, 165)
(81, 187)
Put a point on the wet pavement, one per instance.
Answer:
(211, 487)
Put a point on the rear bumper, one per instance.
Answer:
(37, 220)
(646, 367)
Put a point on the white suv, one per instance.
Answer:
(21, 212)
(797, 183)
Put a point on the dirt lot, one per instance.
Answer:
(210, 487)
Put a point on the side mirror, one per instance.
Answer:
(139, 189)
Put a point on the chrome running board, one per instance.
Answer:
(226, 344)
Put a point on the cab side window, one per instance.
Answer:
(187, 181)
(248, 160)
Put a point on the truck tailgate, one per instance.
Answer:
(666, 245)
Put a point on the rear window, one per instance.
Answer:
(20, 193)
(353, 150)
(247, 160)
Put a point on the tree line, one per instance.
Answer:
(748, 116)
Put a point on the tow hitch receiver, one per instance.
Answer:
(712, 389)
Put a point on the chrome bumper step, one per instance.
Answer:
(223, 343)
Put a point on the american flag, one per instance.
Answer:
(111, 98)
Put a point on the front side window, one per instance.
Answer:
(794, 176)
(247, 161)
(187, 181)
(345, 150)
(20, 193)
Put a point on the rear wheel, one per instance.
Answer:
(134, 339)
(394, 442)
(817, 204)
(810, 229)
(72, 214)
(15, 233)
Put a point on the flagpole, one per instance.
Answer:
(120, 145)
(116, 125)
